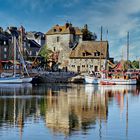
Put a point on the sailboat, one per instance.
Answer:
(15, 78)
(121, 78)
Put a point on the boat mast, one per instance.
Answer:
(0, 62)
(21, 52)
(14, 61)
(127, 46)
(100, 47)
(127, 59)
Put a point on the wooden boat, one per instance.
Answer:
(119, 81)
(110, 81)
(107, 82)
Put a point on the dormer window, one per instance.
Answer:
(97, 53)
(84, 54)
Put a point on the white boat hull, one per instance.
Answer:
(10, 80)
(94, 80)
(91, 80)
(27, 79)
(13, 80)
(121, 81)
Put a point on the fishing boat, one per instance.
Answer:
(119, 81)
(107, 82)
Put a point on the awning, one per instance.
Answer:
(16, 62)
(29, 62)
(4, 61)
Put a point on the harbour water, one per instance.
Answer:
(69, 111)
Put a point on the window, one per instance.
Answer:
(84, 54)
(83, 66)
(5, 49)
(30, 52)
(73, 66)
(91, 66)
(4, 42)
(58, 39)
(96, 68)
(54, 48)
(5, 56)
(97, 54)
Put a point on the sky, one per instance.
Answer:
(117, 17)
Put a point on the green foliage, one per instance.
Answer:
(45, 53)
(131, 65)
(135, 64)
(87, 35)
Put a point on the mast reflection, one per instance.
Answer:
(64, 108)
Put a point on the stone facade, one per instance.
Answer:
(62, 39)
(86, 65)
(89, 56)
(74, 53)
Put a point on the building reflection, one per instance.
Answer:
(75, 110)
(64, 108)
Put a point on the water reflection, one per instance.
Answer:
(63, 108)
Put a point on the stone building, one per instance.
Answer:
(62, 39)
(74, 53)
(6, 52)
(89, 56)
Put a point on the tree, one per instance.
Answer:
(87, 35)
(45, 52)
(135, 64)
(46, 55)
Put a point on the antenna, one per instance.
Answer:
(107, 35)
(101, 32)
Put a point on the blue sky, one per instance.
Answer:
(116, 16)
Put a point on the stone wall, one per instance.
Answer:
(60, 43)
(85, 65)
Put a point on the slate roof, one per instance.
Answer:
(66, 29)
(87, 49)
(33, 44)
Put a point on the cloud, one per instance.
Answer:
(116, 16)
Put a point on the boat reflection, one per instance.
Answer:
(63, 108)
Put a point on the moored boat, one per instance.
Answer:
(119, 81)
(91, 79)
(107, 82)
(27, 79)
(4, 80)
